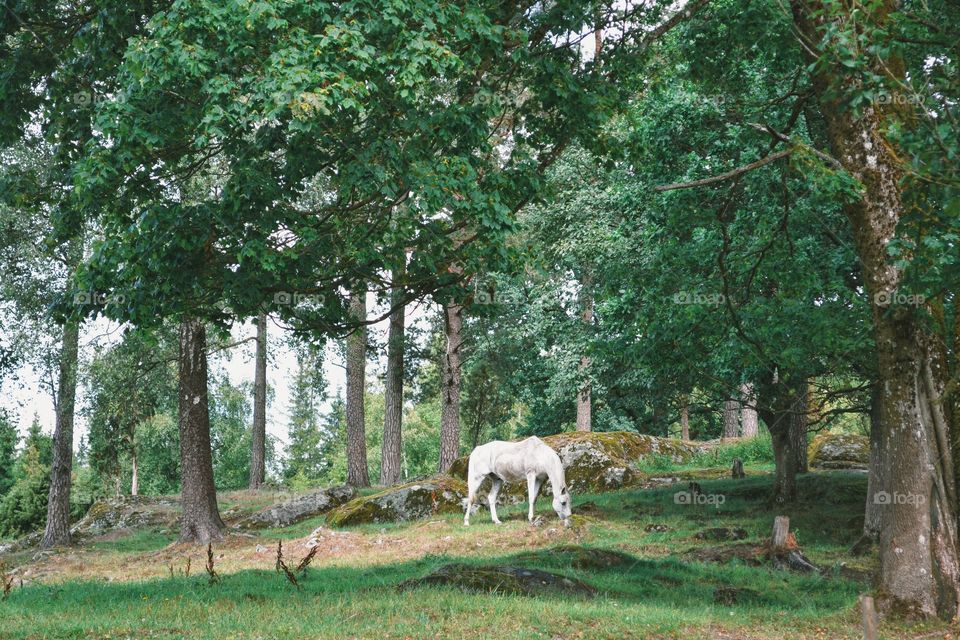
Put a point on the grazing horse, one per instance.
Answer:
(512, 462)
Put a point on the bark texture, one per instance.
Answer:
(782, 403)
(750, 424)
(357, 472)
(919, 573)
(201, 519)
(134, 475)
(685, 418)
(391, 461)
(258, 441)
(873, 513)
(799, 423)
(450, 386)
(584, 403)
(57, 531)
(731, 419)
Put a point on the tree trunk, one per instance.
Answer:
(748, 411)
(258, 441)
(201, 520)
(134, 474)
(450, 387)
(873, 514)
(584, 405)
(685, 418)
(782, 404)
(785, 478)
(390, 466)
(799, 422)
(919, 559)
(357, 473)
(731, 419)
(57, 531)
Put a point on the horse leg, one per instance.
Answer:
(533, 490)
(472, 486)
(492, 498)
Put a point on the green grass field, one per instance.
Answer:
(123, 588)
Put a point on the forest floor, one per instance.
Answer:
(692, 572)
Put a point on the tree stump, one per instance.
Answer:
(737, 471)
(869, 617)
(784, 551)
(781, 530)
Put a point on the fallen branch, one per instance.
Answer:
(739, 171)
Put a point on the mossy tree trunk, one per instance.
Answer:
(919, 555)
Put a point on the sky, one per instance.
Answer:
(26, 398)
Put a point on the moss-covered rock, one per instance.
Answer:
(839, 451)
(411, 501)
(599, 461)
(124, 512)
(509, 580)
(299, 508)
(579, 557)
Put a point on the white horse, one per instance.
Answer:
(512, 462)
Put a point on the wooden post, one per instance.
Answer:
(869, 616)
(781, 529)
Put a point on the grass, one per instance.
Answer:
(122, 588)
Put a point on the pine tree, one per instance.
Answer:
(8, 452)
(306, 455)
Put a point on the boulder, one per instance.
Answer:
(599, 461)
(509, 580)
(299, 508)
(839, 451)
(125, 512)
(411, 501)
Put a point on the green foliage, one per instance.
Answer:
(158, 454)
(24, 507)
(9, 438)
(307, 458)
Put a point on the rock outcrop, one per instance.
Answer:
(299, 508)
(600, 461)
(411, 501)
(839, 451)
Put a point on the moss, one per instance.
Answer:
(411, 501)
(839, 451)
(580, 557)
(503, 580)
